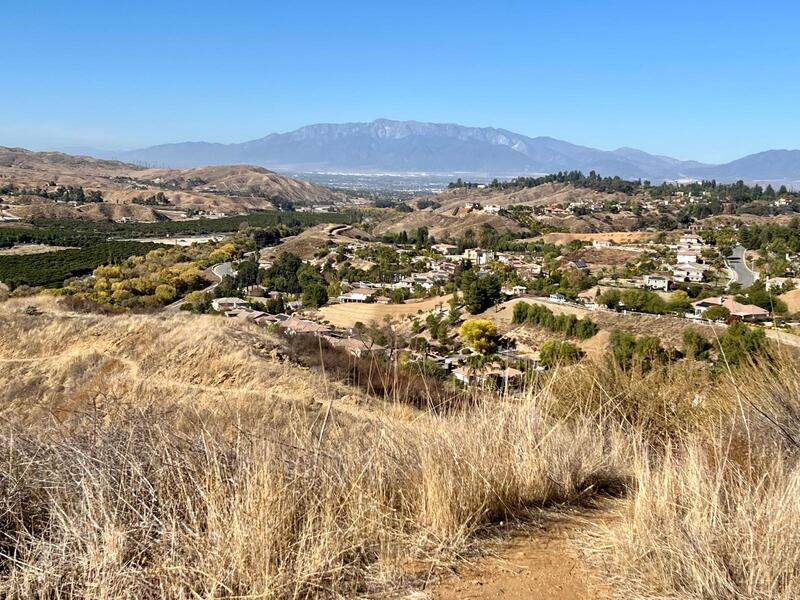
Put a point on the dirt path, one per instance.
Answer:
(538, 565)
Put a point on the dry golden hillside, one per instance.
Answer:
(57, 362)
(228, 189)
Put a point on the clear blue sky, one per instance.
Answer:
(706, 80)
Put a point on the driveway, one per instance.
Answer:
(736, 262)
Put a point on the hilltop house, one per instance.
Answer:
(517, 290)
(295, 325)
(356, 347)
(686, 257)
(601, 243)
(445, 249)
(747, 312)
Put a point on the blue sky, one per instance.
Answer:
(705, 80)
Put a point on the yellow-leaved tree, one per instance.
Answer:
(480, 335)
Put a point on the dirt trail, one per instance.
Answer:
(538, 565)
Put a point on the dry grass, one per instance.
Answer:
(718, 514)
(171, 457)
(183, 457)
(347, 315)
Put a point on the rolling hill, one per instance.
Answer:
(229, 189)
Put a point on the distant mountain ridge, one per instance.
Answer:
(391, 146)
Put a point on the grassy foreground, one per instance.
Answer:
(184, 457)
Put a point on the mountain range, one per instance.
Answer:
(386, 146)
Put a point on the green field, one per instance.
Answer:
(74, 232)
(50, 269)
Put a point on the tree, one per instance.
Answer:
(610, 298)
(247, 273)
(695, 345)
(165, 293)
(716, 313)
(679, 302)
(482, 294)
(454, 314)
(480, 335)
(740, 344)
(556, 352)
(315, 295)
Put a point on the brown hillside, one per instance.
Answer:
(230, 189)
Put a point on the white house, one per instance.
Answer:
(445, 249)
(478, 256)
(601, 243)
(656, 282)
(686, 257)
(690, 240)
(688, 273)
(492, 209)
(356, 295)
(226, 304)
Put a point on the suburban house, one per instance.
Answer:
(227, 304)
(445, 249)
(478, 256)
(656, 282)
(747, 312)
(357, 295)
(558, 297)
(517, 290)
(354, 346)
(296, 325)
(690, 240)
(772, 283)
(601, 243)
(589, 297)
(688, 273)
(499, 377)
(686, 257)
(578, 264)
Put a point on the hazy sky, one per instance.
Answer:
(705, 80)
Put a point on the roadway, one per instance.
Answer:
(737, 263)
(219, 271)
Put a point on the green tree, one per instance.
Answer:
(556, 352)
(315, 295)
(695, 345)
(716, 313)
(740, 344)
(247, 273)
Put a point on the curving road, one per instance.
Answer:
(219, 271)
(736, 262)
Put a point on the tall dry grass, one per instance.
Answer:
(149, 457)
(145, 504)
(717, 515)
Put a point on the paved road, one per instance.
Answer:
(219, 271)
(736, 263)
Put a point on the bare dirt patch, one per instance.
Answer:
(347, 315)
(619, 237)
(531, 565)
(26, 249)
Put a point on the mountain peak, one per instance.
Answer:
(401, 146)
